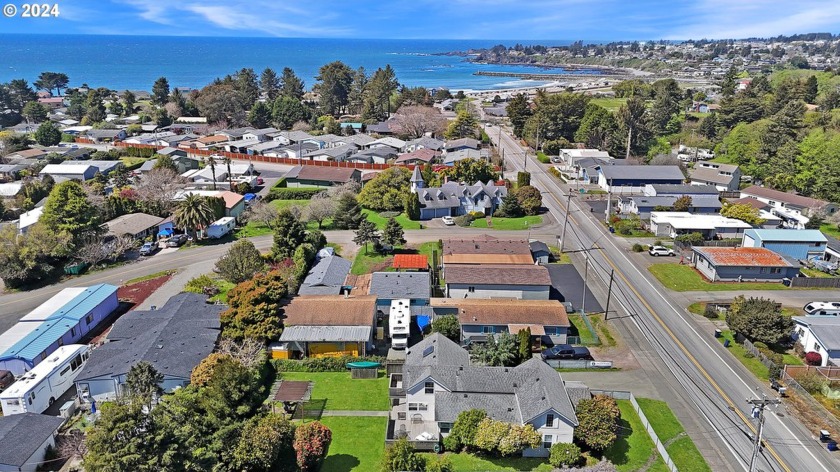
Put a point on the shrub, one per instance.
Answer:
(638, 247)
(694, 239)
(710, 312)
(402, 457)
(812, 382)
(598, 422)
(813, 358)
(323, 364)
(464, 429)
(543, 158)
(564, 455)
(464, 220)
(389, 214)
(312, 440)
(279, 193)
(477, 214)
(200, 284)
(439, 464)
(203, 372)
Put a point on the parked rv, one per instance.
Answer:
(399, 322)
(822, 309)
(221, 227)
(36, 390)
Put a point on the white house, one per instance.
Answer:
(795, 210)
(674, 223)
(438, 383)
(820, 334)
(725, 177)
(26, 438)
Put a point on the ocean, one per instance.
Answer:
(134, 62)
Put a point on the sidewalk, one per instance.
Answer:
(176, 284)
(354, 413)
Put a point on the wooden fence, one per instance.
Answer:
(825, 282)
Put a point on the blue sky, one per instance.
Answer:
(435, 19)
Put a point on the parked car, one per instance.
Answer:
(657, 251)
(775, 385)
(147, 249)
(448, 220)
(176, 240)
(566, 351)
(6, 379)
(260, 181)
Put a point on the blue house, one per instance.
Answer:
(63, 319)
(800, 244)
(743, 264)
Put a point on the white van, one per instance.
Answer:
(36, 390)
(822, 309)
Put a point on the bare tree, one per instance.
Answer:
(351, 187)
(248, 351)
(321, 207)
(92, 250)
(416, 121)
(263, 212)
(301, 126)
(121, 245)
(157, 189)
(71, 445)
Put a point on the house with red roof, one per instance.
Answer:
(743, 264)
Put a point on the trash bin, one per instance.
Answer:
(612, 229)
(831, 445)
(786, 282)
(725, 343)
(717, 333)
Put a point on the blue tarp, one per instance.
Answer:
(249, 196)
(165, 232)
(423, 321)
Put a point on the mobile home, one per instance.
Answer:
(822, 309)
(221, 227)
(36, 390)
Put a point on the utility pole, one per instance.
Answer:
(566, 221)
(609, 294)
(759, 405)
(585, 275)
(609, 201)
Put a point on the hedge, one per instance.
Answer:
(321, 364)
(281, 193)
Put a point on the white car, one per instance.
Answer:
(448, 220)
(657, 251)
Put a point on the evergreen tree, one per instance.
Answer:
(34, 112)
(356, 97)
(143, 382)
(129, 99)
(160, 91)
(68, 209)
(708, 126)
(510, 207)
(334, 80)
(246, 83)
(269, 83)
(524, 337)
(348, 214)
(393, 235)
(518, 111)
(291, 85)
(366, 233)
(47, 134)
(811, 89)
(260, 115)
(411, 206)
(289, 233)
(287, 111)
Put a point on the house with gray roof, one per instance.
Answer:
(452, 157)
(339, 153)
(389, 286)
(26, 437)
(438, 383)
(642, 205)
(136, 225)
(724, 177)
(327, 275)
(820, 334)
(626, 178)
(455, 199)
(173, 338)
(424, 142)
(462, 143)
(106, 135)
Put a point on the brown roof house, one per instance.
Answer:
(320, 176)
(479, 319)
(794, 209)
(136, 225)
(486, 249)
(329, 325)
(522, 282)
(743, 264)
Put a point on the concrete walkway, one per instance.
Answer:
(355, 413)
(176, 284)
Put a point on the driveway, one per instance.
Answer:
(567, 286)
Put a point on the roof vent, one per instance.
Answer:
(514, 385)
(465, 395)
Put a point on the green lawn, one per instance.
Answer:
(343, 393)
(381, 221)
(582, 331)
(224, 287)
(830, 229)
(682, 450)
(815, 273)
(465, 462)
(683, 278)
(633, 448)
(636, 233)
(507, 224)
(149, 277)
(750, 362)
(611, 104)
(364, 263)
(543, 158)
(357, 443)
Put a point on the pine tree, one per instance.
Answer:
(393, 235)
(366, 233)
(412, 206)
(348, 215)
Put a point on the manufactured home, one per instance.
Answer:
(36, 390)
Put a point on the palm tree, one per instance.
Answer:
(230, 176)
(211, 160)
(193, 213)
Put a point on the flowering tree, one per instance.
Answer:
(312, 440)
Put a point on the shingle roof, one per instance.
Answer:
(23, 435)
(173, 338)
(486, 244)
(330, 310)
(644, 173)
(743, 256)
(424, 154)
(323, 174)
(413, 285)
(427, 143)
(463, 142)
(755, 203)
(440, 350)
(706, 174)
(500, 312)
(538, 246)
(497, 274)
(132, 224)
(825, 328)
(326, 276)
(793, 199)
(410, 261)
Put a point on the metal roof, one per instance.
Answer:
(47, 309)
(787, 235)
(326, 333)
(15, 334)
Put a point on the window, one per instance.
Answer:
(762, 270)
(89, 319)
(817, 347)
(445, 427)
(471, 289)
(429, 387)
(64, 371)
(60, 342)
(73, 331)
(549, 421)
(488, 329)
(417, 407)
(547, 441)
(776, 270)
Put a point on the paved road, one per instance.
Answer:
(714, 385)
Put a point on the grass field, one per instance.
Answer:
(830, 229)
(343, 393)
(679, 446)
(357, 443)
(682, 278)
(381, 221)
(582, 331)
(633, 448)
(752, 363)
(815, 273)
(466, 462)
(611, 104)
(507, 224)
(364, 263)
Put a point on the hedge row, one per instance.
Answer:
(321, 364)
(280, 193)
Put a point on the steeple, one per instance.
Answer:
(416, 180)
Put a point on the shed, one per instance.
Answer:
(800, 244)
(411, 262)
(26, 438)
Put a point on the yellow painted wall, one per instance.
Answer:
(334, 349)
